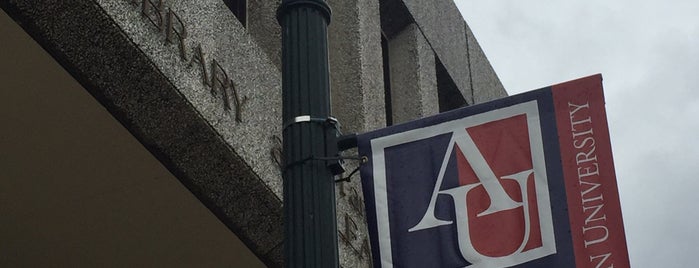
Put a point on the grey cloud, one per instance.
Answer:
(648, 53)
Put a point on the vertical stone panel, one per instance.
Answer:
(356, 79)
(413, 76)
(356, 76)
(263, 26)
(485, 82)
(440, 22)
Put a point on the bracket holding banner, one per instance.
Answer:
(335, 143)
(344, 143)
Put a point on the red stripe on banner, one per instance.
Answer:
(596, 223)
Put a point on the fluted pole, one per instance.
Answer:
(309, 191)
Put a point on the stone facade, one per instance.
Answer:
(203, 93)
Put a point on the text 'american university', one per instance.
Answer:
(594, 230)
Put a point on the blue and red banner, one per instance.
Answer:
(524, 181)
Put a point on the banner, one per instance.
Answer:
(525, 181)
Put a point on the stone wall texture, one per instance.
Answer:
(203, 93)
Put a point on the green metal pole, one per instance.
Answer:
(309, 190)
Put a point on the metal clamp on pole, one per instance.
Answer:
(307, 118)
(335, 143)
(331, 136)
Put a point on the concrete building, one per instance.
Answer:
(174, 159)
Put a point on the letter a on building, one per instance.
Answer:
(524, 181)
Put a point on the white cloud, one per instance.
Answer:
(648, 53)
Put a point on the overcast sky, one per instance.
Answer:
(648, 54)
